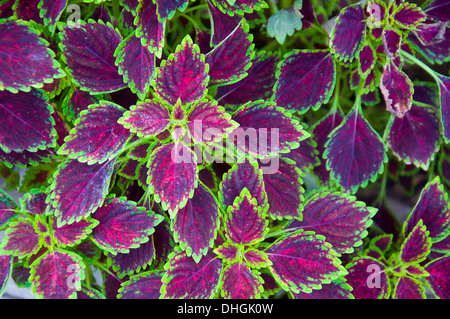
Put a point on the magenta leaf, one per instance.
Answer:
(444, 95)
(230, 60)
(195, 226)
(415, 137)
(184, 75)
(167, 8)
(172, 176)
(306, 156)
(6, 267)
(256, 258)
(340, 218)
(265, 130)
(228, 252)
(88, 49)
(222, 24)
(135, 260)
(434, 209)
(208, 122)
(78, 189)
(149, 28)
(26, 123)
(417, 245)
(21, 239)
(397, 90)
(368, 279)
(122, 225)
(241, 282)
(284, 190)
(337, 289)
(355, 153)
(57, 275)
(298, 72)
(76, 101)
(36, 65)
(145, 285)
(73, 234)
(34, 201)
(96, 137)
(437, 52)
(367, 58)
(348, 34)
(439, 277)
(409, 15)
(391, 41)
(303, 261)
(244, 221)
(409, 288)
(439, 10)
(51, 10)
(8, 208)
(186, 279)
(136, 64)
(239, 7)
(431, 33)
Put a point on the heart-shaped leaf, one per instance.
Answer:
(241, 282)
(21, 239)
(417, 245)
(409, 15)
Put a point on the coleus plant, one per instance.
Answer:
(180, 151)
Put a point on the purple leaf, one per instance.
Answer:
(409, 15)
(367, 58)
(136, 64)
(195, 225)
(297, 77)
(244, 221)
(6, 263)
(257, 85)
(149, 28)
(340, 218)
(256, 258)
(284, 190)
(51, 10)
(208, 122)
(27, 10)
(135, 260)
(96, 137)
(57, 275)
(431, 33)
(415, 137)
(306, 156)
(230, 60)
(265, 130)
(438, 52)
(184, 75)
(368, 278)
(34, 201)
(186, 279)
(241, 282)
(391, 42)
(439, 278)
(439, 10)
(73, 234)
(145, 285)
(417, 245)
(228, 252)
(123, 225)
(78, 189)
(21, 239)
(172, 176)
(444, 97)
(167, 8)
(88, 49)
(408, 288)
(7, 208)
(76, 101)
(397, 90)
(36, 65)
(337, 289)
(303, 261)
(239, 7)
(222, 24)
(355, 153)
(26, 123)
(348, 34)
(434, 209)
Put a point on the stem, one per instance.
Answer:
(382, 193)
(425, 67)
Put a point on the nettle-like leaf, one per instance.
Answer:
(73, 234)
(415, 137)
(417, 245)
(222, 24)
(368, 278)
(78, 189)
(172, 175)
(57, 275)
(367, 58)
(88, 49)
(195, 225)
(230, 60)
(21, 239)
(186, 279)
(6, 267)
(167, 8)
(348, 34)
(241, 282)
(122, 225)
(51, 10)
(434, 209)
(136, 63)
(438, 9)
(439, 277)
(297, 76)
(409, 288)
(256, 258)
(444, 96)
(8, 208)
(397, 90)
(96, 137)
(392, 40)
(303, 261)
(265, 130)
(149, 28)
(340, 218)
(355, 153)
(184, 75)
(135, 260)
(244, 221)
(209, 122)
(408, 15)
(26, 123)
(26, 60)
(145, 285)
